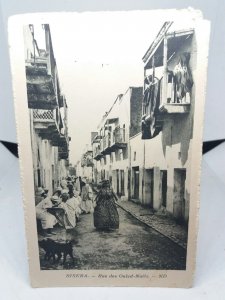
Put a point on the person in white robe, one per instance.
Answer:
(87, 198)
(47, 220)
(69, 207)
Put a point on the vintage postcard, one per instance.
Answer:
(109, 110)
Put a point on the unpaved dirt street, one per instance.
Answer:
(132, 246)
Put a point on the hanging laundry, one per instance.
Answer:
(151, 101)
(145, 129)
(183, 81)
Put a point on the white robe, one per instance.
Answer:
(47, 219)
(69, 207)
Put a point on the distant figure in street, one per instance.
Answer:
(82, 183)
(106, 216)
(87, 198)
(77, 184)
(77, 200)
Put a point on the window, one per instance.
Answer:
(134, 155)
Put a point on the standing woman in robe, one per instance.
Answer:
(87, 198)
(106, 216)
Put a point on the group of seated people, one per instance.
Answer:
(73, 197)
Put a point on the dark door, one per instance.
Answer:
(39, 177)
(122, 182)
(117, 182)
(136, 182)
(149, 187)
(163, 176)
(179, 193)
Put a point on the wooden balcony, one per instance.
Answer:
(87, 159)
(97, 155)
(46, 120)
(106, 145)
(116, 140)
(63, 154)
(169, 101)
(63, 151)
(40, 85)
(60, 140)
(119, 140)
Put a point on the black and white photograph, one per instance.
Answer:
(114, 106)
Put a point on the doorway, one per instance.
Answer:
(136, 182)
(117, 182)
(149, 185)
(122, 182)
(179, 194)
(163, 192)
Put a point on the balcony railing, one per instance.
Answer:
(43, 115)
(169, 100)
(43, 119)
(119, 136)
(47, 124)
(117, 139)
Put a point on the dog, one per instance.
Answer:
(56, 248)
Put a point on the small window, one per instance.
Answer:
(134, 155)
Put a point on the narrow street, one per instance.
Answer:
(133, 246)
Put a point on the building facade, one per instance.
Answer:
(144, 142)
(111, 144)
(160, 172)
(48, 112)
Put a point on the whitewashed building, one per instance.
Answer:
(111, 144)
(160, 154)
(48, 112)
(143, 144)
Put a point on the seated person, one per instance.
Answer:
(47, 220)
(39, 195)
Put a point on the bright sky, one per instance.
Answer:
(99, 55)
